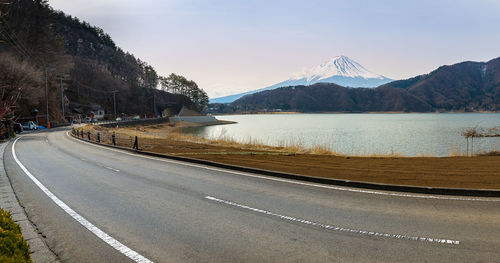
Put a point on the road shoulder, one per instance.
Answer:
(39, 250)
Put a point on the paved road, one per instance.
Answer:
(175, 212)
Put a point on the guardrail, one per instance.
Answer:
(107, 138)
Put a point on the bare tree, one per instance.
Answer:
(17, 79)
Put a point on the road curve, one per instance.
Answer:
(170, 211)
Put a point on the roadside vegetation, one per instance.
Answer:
(477, 133)
(13, 247)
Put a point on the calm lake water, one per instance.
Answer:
(360, 134)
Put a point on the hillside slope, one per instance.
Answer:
(466, 86)
(101, 67)
(56, 45)
(327, 97)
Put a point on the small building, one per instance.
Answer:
(97, 111)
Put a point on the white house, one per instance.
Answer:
(98, 111)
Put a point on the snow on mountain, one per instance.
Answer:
(340, 70)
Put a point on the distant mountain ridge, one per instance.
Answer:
(340, 70)
(466, 86)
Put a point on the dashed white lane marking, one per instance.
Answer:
(298, 182)
(84, 222)
(337, 228)
(112, 169)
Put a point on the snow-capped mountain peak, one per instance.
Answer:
(340, 70)
(337, 66)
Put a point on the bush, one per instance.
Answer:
(492, 153)
(13, 247)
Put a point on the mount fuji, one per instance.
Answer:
(340, 70)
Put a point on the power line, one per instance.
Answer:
(90, 88)
(21, 49)
(18, 49)
(14, 37)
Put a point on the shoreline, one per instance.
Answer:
(367, 112)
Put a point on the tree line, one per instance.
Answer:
(38, 46)
(180, 85)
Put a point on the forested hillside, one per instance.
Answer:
(327, 97)
(466, 86)
(36, 41)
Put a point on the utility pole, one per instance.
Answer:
(61, 77)
(62, 98)
(47, 97)
(114, 100)
(47, 69)
(154, 104)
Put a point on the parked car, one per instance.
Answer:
(29, 125)
(136, 117)
(88, 119)
(118, 119)
(18, 128)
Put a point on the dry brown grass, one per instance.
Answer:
(456, 152)
(393, 168)
(392, 154)
(174, 133)
(251, 144)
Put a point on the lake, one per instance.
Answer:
(415, 134)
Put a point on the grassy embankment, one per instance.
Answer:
(13, 247)
(458, 171)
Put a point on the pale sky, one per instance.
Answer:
(230, 46)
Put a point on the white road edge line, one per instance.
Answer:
(337, 228)
(84, 222)
(295, 182)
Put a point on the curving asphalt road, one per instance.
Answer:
(168, 211)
